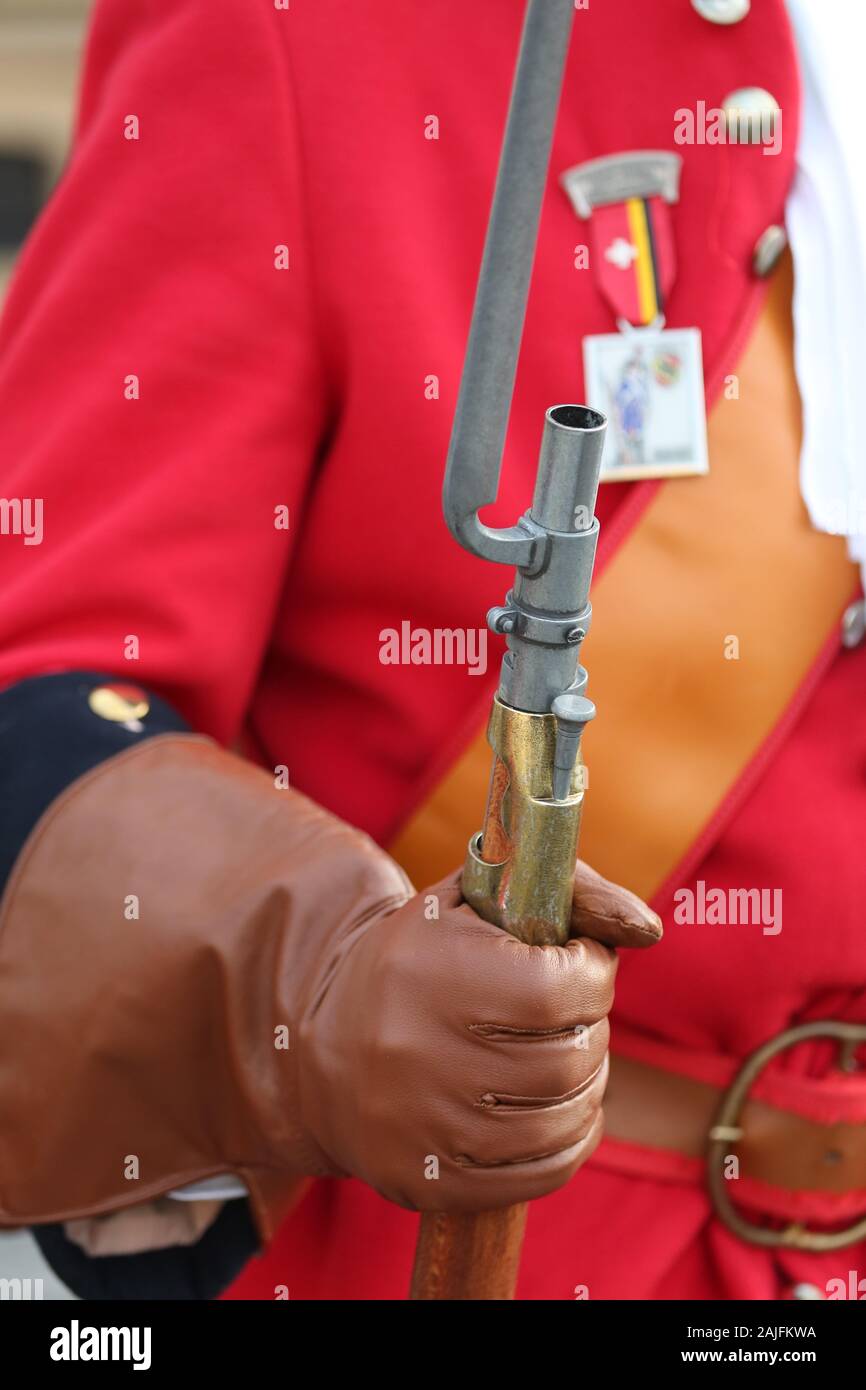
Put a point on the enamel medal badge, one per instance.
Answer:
(646, 377)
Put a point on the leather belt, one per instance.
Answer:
(662, 1109)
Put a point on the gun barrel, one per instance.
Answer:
(546, 615)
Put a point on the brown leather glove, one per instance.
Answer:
(204, 974)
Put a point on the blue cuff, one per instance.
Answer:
(49, 736)
(198, 1272)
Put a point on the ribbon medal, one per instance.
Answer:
(647, 378)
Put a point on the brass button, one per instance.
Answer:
(768, 248)
(722, 11)
(752, 114)
(121, 704)
(854, 623)
(806, 1293)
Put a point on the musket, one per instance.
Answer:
(519, 868)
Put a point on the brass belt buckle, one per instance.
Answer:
(727, 1130)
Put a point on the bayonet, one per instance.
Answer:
(519, 868)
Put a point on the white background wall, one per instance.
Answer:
(40, 47)
(40, 43)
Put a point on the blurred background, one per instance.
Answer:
(40, 50)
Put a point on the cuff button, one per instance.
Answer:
(120, 704)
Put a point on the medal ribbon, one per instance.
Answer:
(633, 256)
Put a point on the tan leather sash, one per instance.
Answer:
(707, 621)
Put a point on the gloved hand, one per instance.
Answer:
(280, 1004)
(455, 1068)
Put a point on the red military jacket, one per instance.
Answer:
(251, 293)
